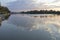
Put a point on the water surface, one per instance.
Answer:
(30, 27)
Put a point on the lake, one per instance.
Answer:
(31, 27)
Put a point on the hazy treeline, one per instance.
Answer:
(41, 12)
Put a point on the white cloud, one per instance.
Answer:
(54, 4)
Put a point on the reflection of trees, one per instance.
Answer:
(42, 12)
(4, 13)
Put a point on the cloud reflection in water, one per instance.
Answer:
(35, 25)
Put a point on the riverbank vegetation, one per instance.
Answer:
(41, 12)
(4, 11)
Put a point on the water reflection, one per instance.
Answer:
(26, 27)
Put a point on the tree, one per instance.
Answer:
(5, 11)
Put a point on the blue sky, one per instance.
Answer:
(23, 5)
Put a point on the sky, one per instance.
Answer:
(25, 5)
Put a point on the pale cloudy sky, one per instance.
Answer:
(20, 5)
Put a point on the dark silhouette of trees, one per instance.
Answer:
(41, 12)
(4, 11)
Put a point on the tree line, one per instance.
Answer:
(41, 12)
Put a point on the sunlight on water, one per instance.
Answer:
(27, 22)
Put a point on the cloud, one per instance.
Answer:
(4, 2)
(56, 0)
(23, 5)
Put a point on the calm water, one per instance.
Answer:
(31, 27)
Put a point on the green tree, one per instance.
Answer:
(5, 11)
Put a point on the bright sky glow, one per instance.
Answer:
(55, 4)
(44, 1)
